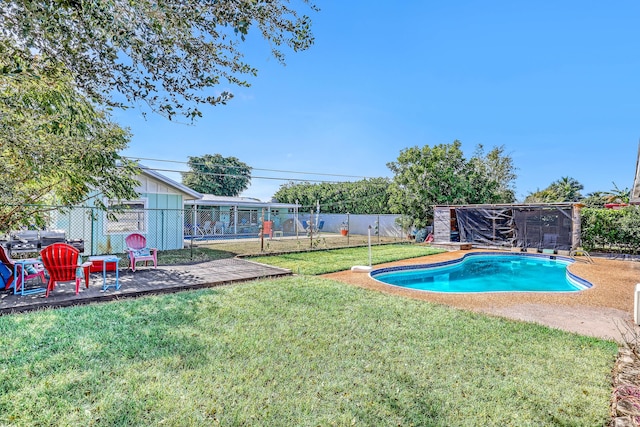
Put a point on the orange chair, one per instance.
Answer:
(10, 263)
(267, 228)
(138, 251)
(61, 262)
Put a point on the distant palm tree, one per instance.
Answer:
(617, 195)
(543, 196)
(597, 199)
(567, 189)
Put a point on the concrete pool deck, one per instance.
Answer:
(603, 311)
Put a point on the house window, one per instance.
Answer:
(129, 217)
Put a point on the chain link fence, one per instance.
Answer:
(96, 232)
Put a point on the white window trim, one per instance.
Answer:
(105, 225)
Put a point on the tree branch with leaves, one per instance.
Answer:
(55, 146)
(171, 54)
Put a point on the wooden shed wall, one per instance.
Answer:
(442, 224)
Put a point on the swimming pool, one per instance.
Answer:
(487, 272)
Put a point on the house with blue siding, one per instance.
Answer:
(158, 214)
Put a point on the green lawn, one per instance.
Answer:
(191, 255)
(328, 261)
(300, 351)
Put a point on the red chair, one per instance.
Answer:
(267, 229)
(61, 262)
(10, 263)
(138, 251)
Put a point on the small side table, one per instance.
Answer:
(106, 259)
(24, 263)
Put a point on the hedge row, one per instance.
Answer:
(611, 230)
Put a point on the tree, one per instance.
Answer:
(500, 168)
(565, 189)
(429, 176)
(568, 189)
(618, 195)
(546, 195)
(596, 199)
(367, 196)
(218, 175)
(55, 146)
(170, 54)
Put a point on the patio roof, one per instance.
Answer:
(514, 205)
(213, 200)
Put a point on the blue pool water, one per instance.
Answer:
(479, 272)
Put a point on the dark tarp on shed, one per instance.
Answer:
(485, 226)
(540, 227)
(544, 228)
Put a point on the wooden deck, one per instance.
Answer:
(144, 281)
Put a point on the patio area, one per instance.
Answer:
(604, 311)
(145, 280)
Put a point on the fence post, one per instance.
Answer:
(348, 229)
(311, 229)
(162, 228)
(296, 220)
(193, 221)
(262, 231)
(93, 237)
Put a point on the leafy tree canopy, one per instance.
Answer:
(218, 175)
(597, 199)
(565, 189)
(171, 54)
(441, 174)
(55, 146)
(367, 196)
(618, 195)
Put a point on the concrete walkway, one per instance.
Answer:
(145, 280)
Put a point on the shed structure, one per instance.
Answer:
(554, 226)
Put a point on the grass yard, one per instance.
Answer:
(303, 243)
(300, 351)
(314, 263)
(190, 256)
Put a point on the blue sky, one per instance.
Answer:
(556, 83)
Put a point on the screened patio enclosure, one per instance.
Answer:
(529, 226)
(220, 217)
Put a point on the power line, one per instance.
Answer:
(240, 176)
(325, 205)
(258, 169)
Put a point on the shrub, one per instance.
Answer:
(611, 230)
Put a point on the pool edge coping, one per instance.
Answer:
(574, 279)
